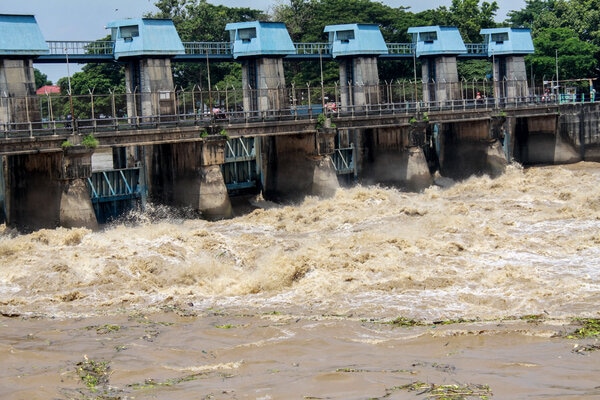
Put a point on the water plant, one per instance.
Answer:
(93, 373)
(590, 327)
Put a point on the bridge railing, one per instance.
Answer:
(214, 48)
(476, 48)
(80, 47)
(401, 48)
(313, 48)
(50, 114)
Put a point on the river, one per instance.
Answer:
(375, 293)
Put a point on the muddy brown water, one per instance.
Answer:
(297, 302)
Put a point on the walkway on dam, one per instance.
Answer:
(103, 51)
(193, 121)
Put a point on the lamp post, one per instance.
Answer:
(322, 83)
(415, 72)
(557, 81)
(70, 93)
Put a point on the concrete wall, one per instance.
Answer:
(570, 135)
(578, 133)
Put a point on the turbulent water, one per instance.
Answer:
(292, 301)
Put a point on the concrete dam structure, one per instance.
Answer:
(274, 139)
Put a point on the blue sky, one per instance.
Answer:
(85, 19)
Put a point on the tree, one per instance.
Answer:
(199, 21)
(467, 15)
(561, 47)
(94, 79)
(41, 79)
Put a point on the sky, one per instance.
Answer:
(85, 19)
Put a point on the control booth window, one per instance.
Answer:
(129, 32)
(345, 36)
(500, 38)
(428, 37)
(247, 34)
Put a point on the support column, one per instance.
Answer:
(149, 82)
(19, 105)
(297, 166)
(189, 175)
(263, 81)
(359, 78)
(50, 190)
(440, 79)
(510, 77)
(394, 156)
(471, 148)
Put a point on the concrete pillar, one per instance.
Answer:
(149, 82)
(49, 190)
(538, 141)
(359, 81)
(18, 102)
(297, 166)
(189, 175)
(467, 148)
(440, 77)
(2, 190)
(510, 77)
(394, 156)
(263, 81)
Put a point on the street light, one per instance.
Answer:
(557, 84)
(70, 93)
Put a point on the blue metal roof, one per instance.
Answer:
(355, 39)
(21, 35)
(506, 41)
(437, 40)
(145, 37)
(256, 38)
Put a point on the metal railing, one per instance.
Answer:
(48, 114)
(313, 48)
(343, 160)
(225, 48)
(477, 48)
(214, 48)
(401, 48)
(80, 47)
(114, 184)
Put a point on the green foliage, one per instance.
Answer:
(561, 47)
(41, 79)
(94, 79)
(467, 15)
(224, 133)
(321, 119)
(93, 373)
(89, 141)
(66, 144)
(590, 327)
(200, 21)
(448, 392)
